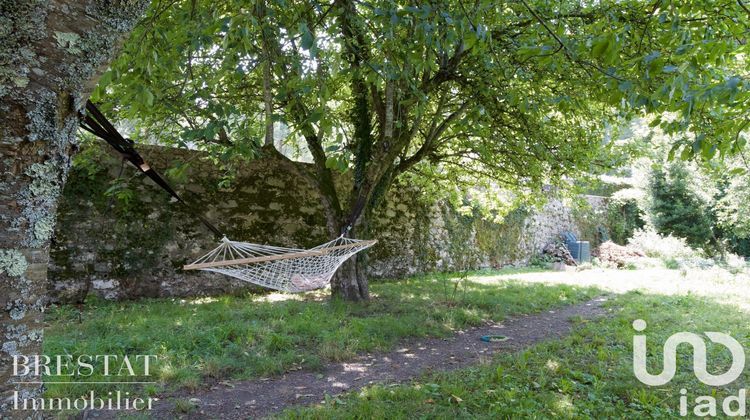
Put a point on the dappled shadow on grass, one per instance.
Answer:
(253, 336)
(408, 360)
(588, 374)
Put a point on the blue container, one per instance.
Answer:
(579, 250)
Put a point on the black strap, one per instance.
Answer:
(97, 124)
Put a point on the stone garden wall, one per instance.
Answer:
(132, 241)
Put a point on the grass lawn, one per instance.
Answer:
(586, 375)
(261, 335)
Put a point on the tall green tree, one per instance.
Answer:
(676, 209)
(448, 90)
(733, 205)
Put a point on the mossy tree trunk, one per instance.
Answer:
(51, 56)
(350, 281)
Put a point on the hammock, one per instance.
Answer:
(285, 269)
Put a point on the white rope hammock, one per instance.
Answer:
(285, 269)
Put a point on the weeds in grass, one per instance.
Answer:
(184, 406)
(458, 280)
(589, 374)
(248, 337)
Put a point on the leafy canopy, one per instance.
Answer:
(513, 92)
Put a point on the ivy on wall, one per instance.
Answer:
(117, 229)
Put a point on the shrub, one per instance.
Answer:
(677, 207)
(624, 216)
(664, 247)
(671, 264)
(540, 261)
(735, 264)
(731, 207)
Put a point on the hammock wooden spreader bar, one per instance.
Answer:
(307, 253)
(286, 269)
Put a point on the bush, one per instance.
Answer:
(735, 264)
(624, 216)
(677, 208)
(541, 261)
(664, 247)
(674, 252)
(740, 246)
(672, 264)
(731, 207)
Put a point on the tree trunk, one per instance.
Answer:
(268, 102)
(51, 55)
(267, 75)
(350, 281)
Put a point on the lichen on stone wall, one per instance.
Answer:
(12, 262)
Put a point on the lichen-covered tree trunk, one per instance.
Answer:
(51, 55)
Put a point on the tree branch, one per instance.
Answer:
(431, 141)
(565, 48)
(743, 6)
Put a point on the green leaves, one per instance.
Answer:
(146, 97)
(690, 68)
(307, 40)
(531, 92)
(120, 189)
(606, 48)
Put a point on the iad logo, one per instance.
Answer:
(705, 405)
(699, 357)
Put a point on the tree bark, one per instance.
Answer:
(267, 75)
(51, 56)
(350, 281)
(268, 102)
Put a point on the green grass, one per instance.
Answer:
(256, 336)
(586, 375)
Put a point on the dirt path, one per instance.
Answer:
(259, 398)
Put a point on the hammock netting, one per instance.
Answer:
(285, 269)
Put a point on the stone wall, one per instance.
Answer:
(132, 242)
